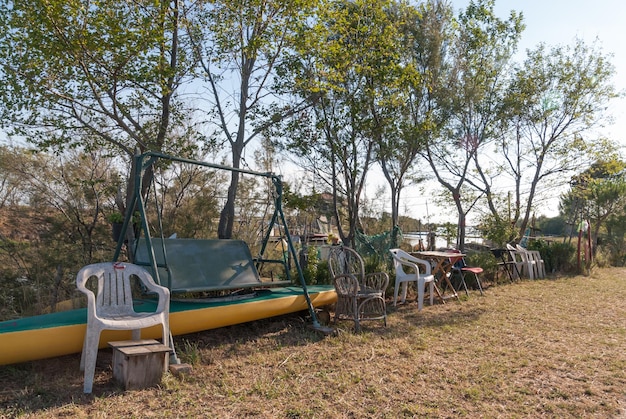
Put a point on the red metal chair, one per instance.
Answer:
(460, 267)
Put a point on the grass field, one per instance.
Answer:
(551, 348)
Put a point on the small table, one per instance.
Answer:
(441, 270)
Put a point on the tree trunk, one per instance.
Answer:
(227, 216)
(460, 240)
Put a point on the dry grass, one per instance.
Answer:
(551, 348)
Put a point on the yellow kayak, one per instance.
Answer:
(62, 333)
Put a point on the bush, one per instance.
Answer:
(314, 270)
(602, 257)
(485, 260)
(557, 256)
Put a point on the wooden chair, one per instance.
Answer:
(111, 308)
(360, 296)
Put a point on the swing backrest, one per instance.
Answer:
(197, 265)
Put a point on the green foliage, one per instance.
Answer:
(603, 258)
(497, 230)
(555, 226)
(557, 256)
(350, 73)
(598, 194)
(315, 270)
(614, 237)
(190, 353)
(485, 260)
(60, 230)
(373, 82)
(376, 263)
(115, 217)
(93, 76)
(241, 47)
(555, 99)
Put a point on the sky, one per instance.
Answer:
(553, 22)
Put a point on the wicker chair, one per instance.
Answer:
(360, 296)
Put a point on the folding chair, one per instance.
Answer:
(460, 268)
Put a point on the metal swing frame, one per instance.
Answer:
(145, 160)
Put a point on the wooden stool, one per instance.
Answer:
(139, 363)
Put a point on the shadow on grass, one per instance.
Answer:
(32, 387)
(452, 314)
(36, 386)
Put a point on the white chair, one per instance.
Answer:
(534, 259)
(402, 260)
(525, 265)
(530, 266)
(111, 308)
(540, 265)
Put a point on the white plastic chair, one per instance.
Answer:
(112, 308)
(402, 260)
(540, 265)
(530, 267)
(525, 265)
(534, 259)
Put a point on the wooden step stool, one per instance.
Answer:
(139, 363)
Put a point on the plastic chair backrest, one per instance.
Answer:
(400, 259)
(114, 294)
(398, 255)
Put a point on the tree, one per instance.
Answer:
(57, 223)
(597, 194)
(102, 74)
(241, 45)
(412, 112)
(348, 64)
(10, 192)
(555, 99)
(480, 54)
(187, 199)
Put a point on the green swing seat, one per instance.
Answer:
(199, 265)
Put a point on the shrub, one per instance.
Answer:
(485, 260)
(602, 257)
(557, 256)
(314, 269)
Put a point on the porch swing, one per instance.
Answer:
(210, 266)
